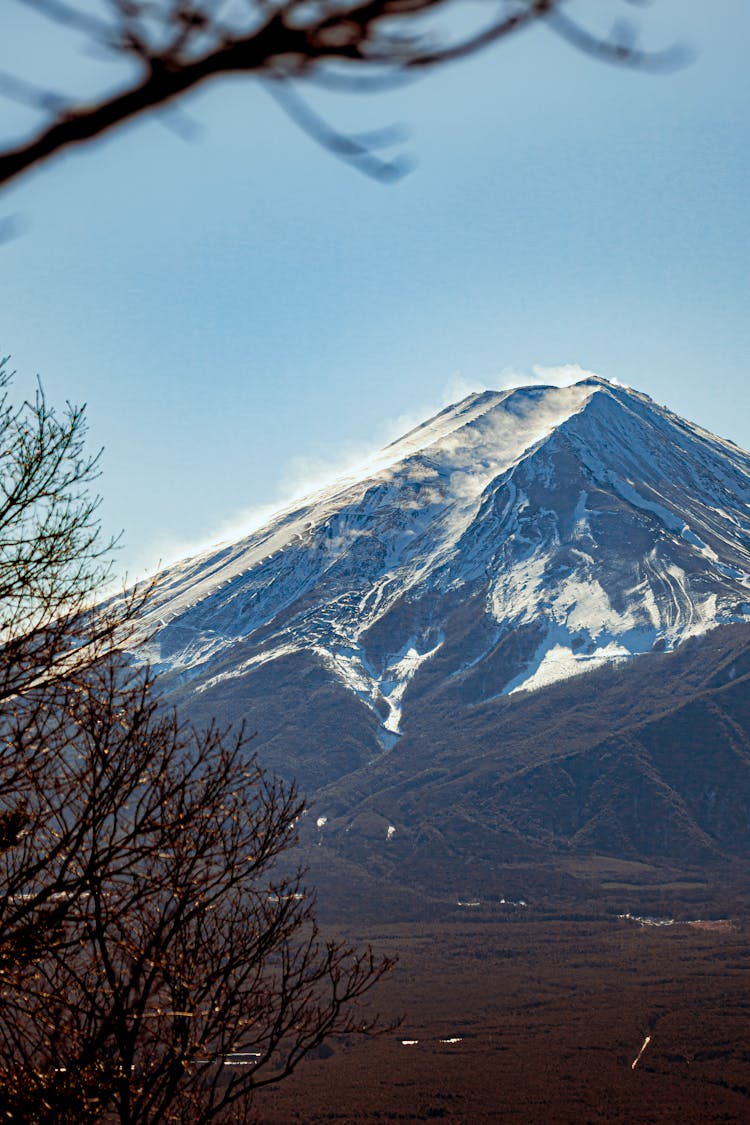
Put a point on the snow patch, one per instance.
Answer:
(397, 676)
(560, 663)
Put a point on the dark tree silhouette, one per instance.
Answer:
(155, 965)
(152, 967)
(53, 558)
(175, 46)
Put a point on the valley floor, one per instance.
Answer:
(540, 1020)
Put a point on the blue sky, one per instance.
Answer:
(243, 314)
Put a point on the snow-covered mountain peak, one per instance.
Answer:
(517, 537)
(501, 425)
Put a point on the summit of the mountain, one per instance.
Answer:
(516, 538)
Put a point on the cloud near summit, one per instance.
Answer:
(554, 375)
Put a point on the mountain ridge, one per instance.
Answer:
(585, 525)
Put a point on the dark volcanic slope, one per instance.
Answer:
(649, 763)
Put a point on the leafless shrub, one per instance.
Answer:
(155, 966)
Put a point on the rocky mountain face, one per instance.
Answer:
(463, 580)
(633, 776)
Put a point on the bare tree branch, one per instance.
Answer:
(146, 936)
(147, 933)
(620, 47)
(179, 45)
(358, 151)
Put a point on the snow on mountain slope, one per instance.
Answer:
(587, 521)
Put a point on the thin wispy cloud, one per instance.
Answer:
(549, 375)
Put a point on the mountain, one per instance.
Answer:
(515, 539)
(408, 642)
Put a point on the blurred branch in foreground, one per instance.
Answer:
(169, 47)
